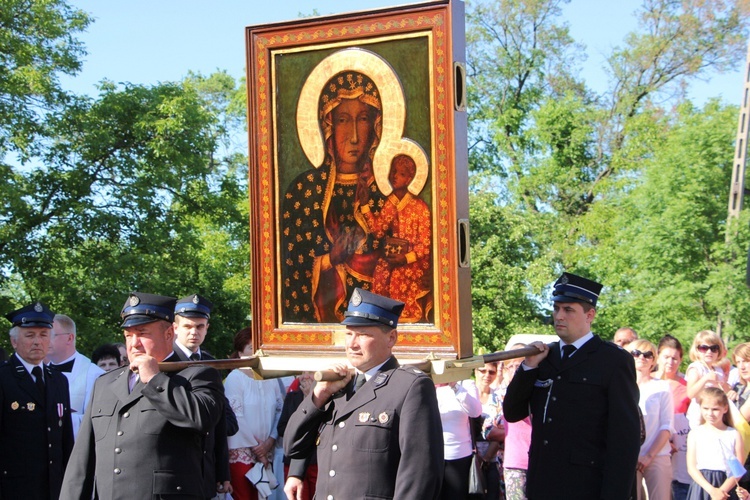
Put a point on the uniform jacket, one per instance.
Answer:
(585, 425)
(147, 443)
(81, 383)
(36, 438)
(385, 441)
(216, 458)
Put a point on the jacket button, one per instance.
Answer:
(559, 377)
(554, 398)
(120, 433)
(159, 388)
(342, 425)
(546, 442)
(179, 488)
(126, 414)
(329, 497)
(117, 471)
(334, 447)
(331, 473)
(118, 450)
(549, 420)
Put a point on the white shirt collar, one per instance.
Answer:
(27, 365)
(578, 343)
(372, 371)
(185, 350)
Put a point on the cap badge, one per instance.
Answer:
(383, 418)
(14, 405)
(564, 280)
(356, 298)
(31, 406)
(134, 300)
(38, 307)
(364, 417)
(195, 299)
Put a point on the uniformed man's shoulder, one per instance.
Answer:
(410, 371)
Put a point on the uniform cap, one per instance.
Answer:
(572, 288)
(142, 308)
(36, 314)
(368, 309)
(194, 306)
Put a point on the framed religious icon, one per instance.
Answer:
(358, 177)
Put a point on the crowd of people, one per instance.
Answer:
(581, 418)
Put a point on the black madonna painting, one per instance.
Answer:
(352, 174)
(355, 219)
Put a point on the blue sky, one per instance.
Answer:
(151, 41)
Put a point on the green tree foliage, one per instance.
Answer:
(133, 194)
(584, 174)
(37, 44)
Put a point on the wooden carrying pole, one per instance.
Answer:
(427, 365)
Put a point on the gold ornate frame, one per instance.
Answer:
(415, 55)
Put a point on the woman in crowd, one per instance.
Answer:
(457, 403)
(490, 433)
(669, 358)
(517, 443)
(656, 405)
(257, 405)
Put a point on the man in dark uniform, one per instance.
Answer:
(379, 435)
(36, 432)
(142, 435)
(191, 316)
(583, 399)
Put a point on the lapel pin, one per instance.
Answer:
(30, 406)
(383, 418)
(364, 416)
(14, 405)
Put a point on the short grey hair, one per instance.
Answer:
(13, 332)
(66, 322)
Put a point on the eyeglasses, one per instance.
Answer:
(705, 348)
(645, 354)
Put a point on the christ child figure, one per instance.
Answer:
(403, 226)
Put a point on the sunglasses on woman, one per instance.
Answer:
(705, 348)
(645, 354)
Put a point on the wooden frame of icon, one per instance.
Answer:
(358, 177)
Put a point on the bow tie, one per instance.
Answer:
(63, 367)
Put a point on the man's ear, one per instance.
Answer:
(392, 337)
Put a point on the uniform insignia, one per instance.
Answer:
(356, 298)
(31, 406)
(38, 307)
(383, 418)
(134, 301)
(195, 299)
(564, 280)
(364, 416)
(380, 379)
(14, 405)
(317, 441)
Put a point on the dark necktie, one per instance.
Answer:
(195, 357)
(37, 372)
(359, 381)
(568, 351)
(64, 367)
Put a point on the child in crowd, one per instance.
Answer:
(711, 445)
(404, 225)
(706, 353)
